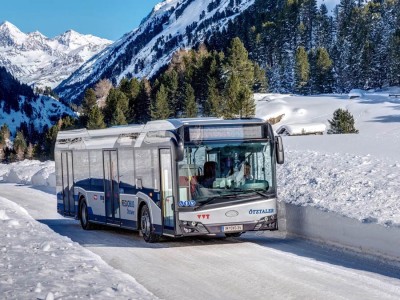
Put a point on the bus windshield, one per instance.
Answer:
(225, 171)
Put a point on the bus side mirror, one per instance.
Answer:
(280, 155)
(180, 151)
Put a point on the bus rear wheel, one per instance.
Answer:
(83, 215)
(146, 227)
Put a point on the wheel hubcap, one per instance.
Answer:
(83, 214)
(145, 223)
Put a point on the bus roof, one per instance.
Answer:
(169, 124)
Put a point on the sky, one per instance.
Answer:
(103, 18)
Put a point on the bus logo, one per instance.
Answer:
(204, 216)
(232, 213)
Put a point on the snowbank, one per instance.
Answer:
(302, 129)
(30, 172)
(41, 264)
(358, 187)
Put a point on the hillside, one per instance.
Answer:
(21, 109)
(171, 25)
(41, 61)
(303, 47)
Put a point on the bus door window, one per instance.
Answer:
(166, 188)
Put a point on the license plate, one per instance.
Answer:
(231, 228)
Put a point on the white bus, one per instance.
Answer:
(176, 177)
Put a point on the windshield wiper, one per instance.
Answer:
(213, 198)
(258, 192)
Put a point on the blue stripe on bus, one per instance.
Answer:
(158, 229)
(129, 223)
(124, 188)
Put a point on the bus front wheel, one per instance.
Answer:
(83, 215)
(146, 227)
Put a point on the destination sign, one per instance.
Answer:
(225, 132)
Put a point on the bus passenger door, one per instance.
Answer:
(167, 198)
(111, 187)
(67, 183)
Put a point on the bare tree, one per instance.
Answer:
(30, 151)
(102, 89)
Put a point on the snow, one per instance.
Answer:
(30, 172)
(45, 110)
(36, 59)
(302, 129)
(37, 263)
(353, 175)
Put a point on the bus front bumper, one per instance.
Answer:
(190, 228)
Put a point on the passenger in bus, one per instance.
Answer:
(247, 171)
(210, 168)
(244, 174)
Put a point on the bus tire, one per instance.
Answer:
(146, 227)
(83, 215)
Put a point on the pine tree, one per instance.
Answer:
(394, 57)
(115, 99)
(342, 122)
(238, 63)
(89, 101)
(302, 70)
(170, 81)
(96, 119)
(160, 110)
(214, 105)
(118, 117)
(260, 81)
(324, 28)
(131, 89)
(50, 141)
(142, 111)
(232, 106)
(246, 102)
(20, 146)
(323, 72)
(4, 138)
(191, 109)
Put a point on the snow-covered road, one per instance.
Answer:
(255, 266)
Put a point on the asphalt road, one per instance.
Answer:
(255, 266)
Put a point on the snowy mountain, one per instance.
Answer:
(172, 25)
(21, 109)
(35, 59)
(44, 112)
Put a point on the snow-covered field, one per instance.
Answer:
(354, 175)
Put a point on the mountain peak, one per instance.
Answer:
(11, 34)
(164, 4)
(37, 35)
(74, 39)
(35, 58)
